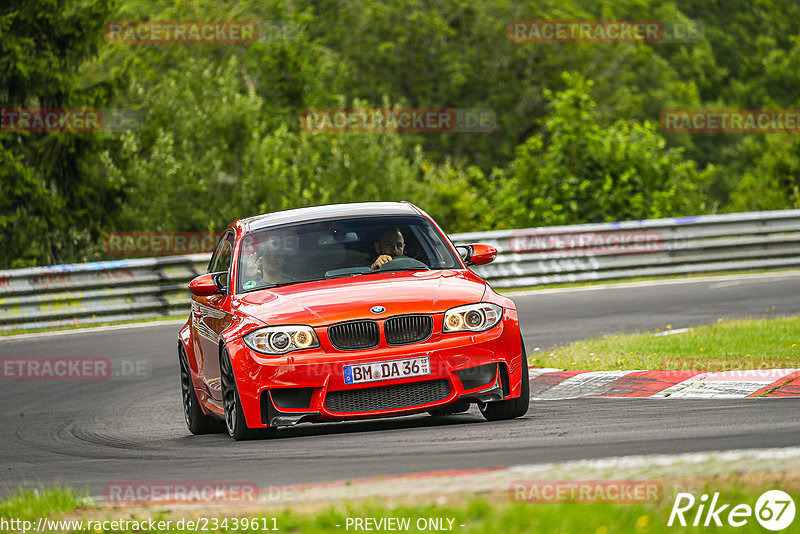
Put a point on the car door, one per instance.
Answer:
(210, 316)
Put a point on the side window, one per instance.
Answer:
(221, 260)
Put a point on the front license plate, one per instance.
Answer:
(371, 372)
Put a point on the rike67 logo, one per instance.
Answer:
(774, 510)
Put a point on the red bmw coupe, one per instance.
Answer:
(344, 312)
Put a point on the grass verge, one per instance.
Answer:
(493, 512)
(726, 345)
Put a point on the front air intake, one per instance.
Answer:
(387, 397)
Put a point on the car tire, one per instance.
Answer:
(450, 410)
(511, 408)
(197, 421)
(235, 421)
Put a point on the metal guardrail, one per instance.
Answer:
(43, 297)
(629, 249)
(98, 292)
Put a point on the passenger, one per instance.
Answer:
(273, 268)
(265, 265)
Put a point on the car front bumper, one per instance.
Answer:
(309, 385)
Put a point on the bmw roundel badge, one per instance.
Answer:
(377, 309)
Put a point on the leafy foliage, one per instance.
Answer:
(577, 138)
(52, 199)
(580, 171)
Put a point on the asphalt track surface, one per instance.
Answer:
(87, 434)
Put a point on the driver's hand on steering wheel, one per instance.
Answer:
(382, 260)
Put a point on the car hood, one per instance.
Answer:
(330, 301)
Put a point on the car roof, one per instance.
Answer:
(330, 211)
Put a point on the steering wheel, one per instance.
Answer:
(403, 262)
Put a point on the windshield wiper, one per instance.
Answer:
(281, 284)
(292, 282)
(405, 269)
(347, 275)
(377, 271)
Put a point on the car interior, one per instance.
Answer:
(338, 249)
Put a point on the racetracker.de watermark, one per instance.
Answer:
(378, 120)
(730, 121)
(69, 120)
(70, 368)
(211, 492)
(590, 243)
(161, 32)
(605, 31)
(586, 491)
(158, 243)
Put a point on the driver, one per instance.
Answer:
(388, 246)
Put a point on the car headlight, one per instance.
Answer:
(472, 318)
(281, 339)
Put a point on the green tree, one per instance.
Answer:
(773, 183)
(52, 203)
(208, 153)
(581, 171)
(222, 136)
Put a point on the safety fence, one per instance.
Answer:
(98, 292)
(630, 249)
(101, 292)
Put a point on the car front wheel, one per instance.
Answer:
(232, 404)
(511, 408)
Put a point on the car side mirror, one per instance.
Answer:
(209, 284)
(477, 254)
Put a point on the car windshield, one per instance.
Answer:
(340, 248)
